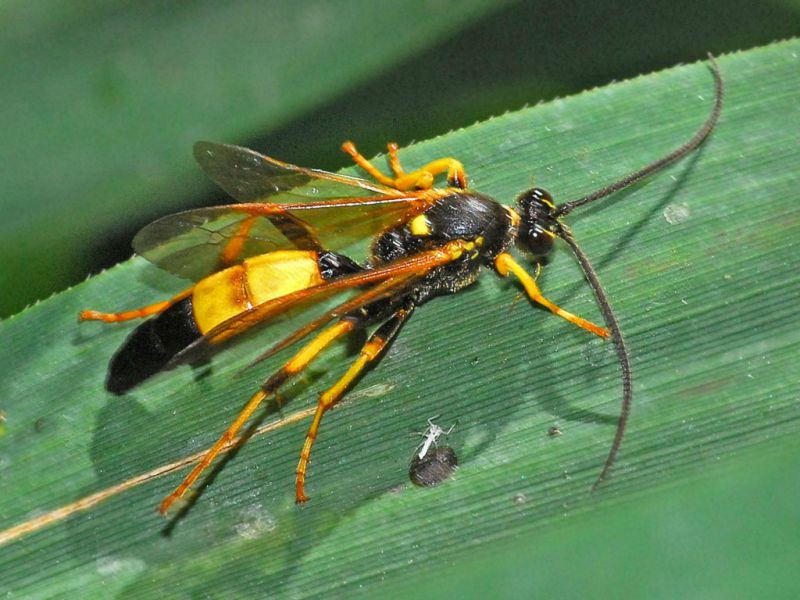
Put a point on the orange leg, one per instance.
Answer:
(421, 179)
(137, 313)
(296, 364)
(505, 263)
(371, 351)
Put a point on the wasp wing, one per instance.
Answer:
(283, 206)
(194, 243)
(249, 176)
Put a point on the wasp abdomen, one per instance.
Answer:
(151, 346)
(214, 300)
(258, 279)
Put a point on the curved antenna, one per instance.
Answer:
(698, 138)
(591, 275)
(619, 343)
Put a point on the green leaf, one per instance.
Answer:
(728, 532)
(700, 266)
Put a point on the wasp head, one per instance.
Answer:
(539, 224)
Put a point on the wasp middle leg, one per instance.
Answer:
(371, 351)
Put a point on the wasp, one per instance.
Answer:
(283, 247)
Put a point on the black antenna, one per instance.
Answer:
(591, 275)
(619, 344)
(654, 166)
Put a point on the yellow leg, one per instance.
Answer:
(394, 161)
(136, 313)
(421, 179)
(505, 264)
(296, 364)
(371, 350)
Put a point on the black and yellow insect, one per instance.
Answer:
(282, 246)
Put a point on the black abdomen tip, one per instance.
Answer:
(151, 346)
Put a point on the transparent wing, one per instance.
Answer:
(283, 206)
(194, 243)
(248, 176)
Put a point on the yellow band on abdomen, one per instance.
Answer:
(258, 279)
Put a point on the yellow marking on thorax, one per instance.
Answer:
(258, 279)
(420, 225)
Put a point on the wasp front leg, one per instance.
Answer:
(505, 264)
(421, 179)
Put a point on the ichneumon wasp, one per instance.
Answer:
(281, 247)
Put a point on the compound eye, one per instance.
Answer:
(536, 240)
(537, 221)
(542, 196)
(535, 203)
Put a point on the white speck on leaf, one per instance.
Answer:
(255, 522)
(676, 213)
(111, 566)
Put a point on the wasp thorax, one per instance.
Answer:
(538, 224)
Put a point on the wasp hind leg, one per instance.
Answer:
(370, 351)
(421, 179)
(136, 313)
(229, 255)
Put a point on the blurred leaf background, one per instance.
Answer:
(101, 102)
(100, 106)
